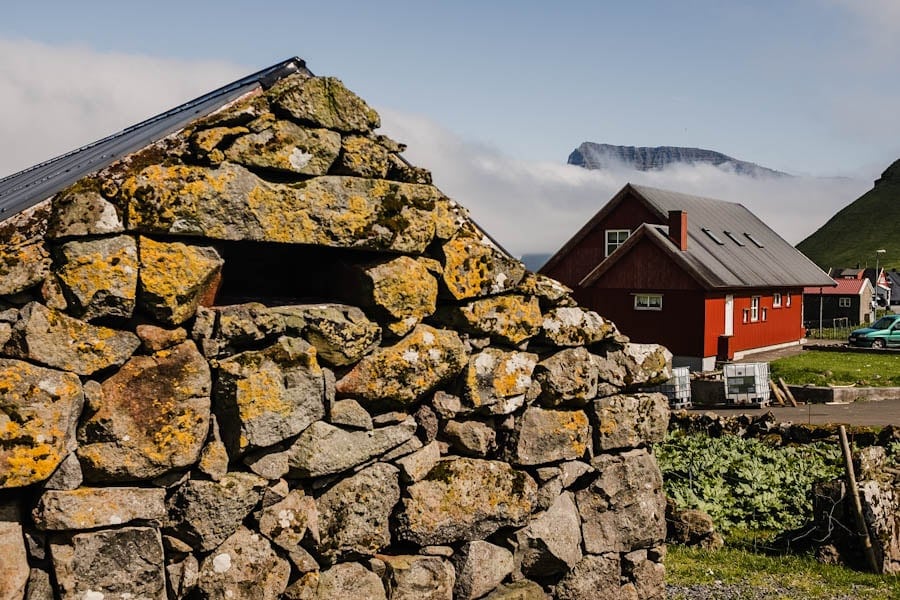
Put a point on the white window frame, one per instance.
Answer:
(776, 300)
(754, 309)
(787, 300)
(844, 303)
(616, 242)
(648, 301)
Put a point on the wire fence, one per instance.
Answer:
(837, 329)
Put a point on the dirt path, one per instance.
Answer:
(885, 412)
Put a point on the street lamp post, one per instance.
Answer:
(877, 254)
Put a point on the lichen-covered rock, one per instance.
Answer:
(551, 543)
(354, 515)
(267, 396)
(323, 102)
(231, 203)
(243, 567)
(348, 580)
(496, 381)
(410, 577)
(623, 509)
(475, 267)
(175, 277)
(154, 339)
(520, 590)
(569, 326)
(22, 265)
(14, 566)
(509, 319)
(631, 421)
(224, 330)
(341, 334)
(52, 338)
(415, 466)
(153, 416)
(568, 378)
(323, 449)
(406, 371)
(205, 513)
(544, 436)
(402, 290)
(593, 577)
(463, 500)
(644, 364)
(90, 508)
(549, 291)
(81, 210)
(287, 147)
(100, 276)
(287, 521)
(480, 567)
(110, 563)
(362, 157)
(39, 409)
(349, 413)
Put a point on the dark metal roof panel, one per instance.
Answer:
(24, 189)
(729, 265)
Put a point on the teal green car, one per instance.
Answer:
(883, 333)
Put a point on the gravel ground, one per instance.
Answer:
(734, 591)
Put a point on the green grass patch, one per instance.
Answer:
(839, 368)
(768, 576)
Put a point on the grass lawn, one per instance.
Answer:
(838, 368)
(743, 573)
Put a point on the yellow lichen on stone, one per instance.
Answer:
(261, 392)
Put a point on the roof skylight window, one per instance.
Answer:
(755, 241)
(734, 238)
(712, 236)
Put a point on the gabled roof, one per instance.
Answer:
(844, 287)
(35, 184)
(728, 246)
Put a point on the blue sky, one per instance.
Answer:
(805, 86)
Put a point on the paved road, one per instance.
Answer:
(881, 413)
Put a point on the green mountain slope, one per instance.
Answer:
(870, 223)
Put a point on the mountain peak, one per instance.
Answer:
(891, 175)
(591, 155)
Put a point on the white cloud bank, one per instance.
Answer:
(58, 98)
(533, 206)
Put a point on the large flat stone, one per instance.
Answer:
(90, 508)
(243, 567)
(100, 276)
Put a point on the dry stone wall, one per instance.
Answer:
(266, 358)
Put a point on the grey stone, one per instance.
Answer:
(52, 338)
(415, 466)
(447, 405)
(14, 566)
(428, 423)
(90, 508)
(624, 507)
(100, 276)
(287, 147)
(349, 580)
(411, 445)
(323, 101)
(183, 576)
(389, 418)
(111, 562)
(463, 500)
(419, 577)
(568, 378)
(81, 212)
(286, 522)
(305, 588)
(648, 576)
(354, 514)
(154, 339)
(569, 326)
(39, 586)
(480, 567)
(471, 438)
(445, 551)
(214, 456)
(548, 493)
(207, 512)
(496, 381)
(362, 157)
(302, 560)
(270, 463)
(572, 471)
(324, 449)
(243, 567)
(630, 421)
(644, 364)
(544, 436)
(349, 413)
(593, 577)
(270, 395)
(551, 543)
(520, 590)
(341, 334)
(153, 417)
(38, 404)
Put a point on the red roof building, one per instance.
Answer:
(703, 277)
(849, 302)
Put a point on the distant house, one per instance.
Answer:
(881, 281)
(893, 277)
(704, 277)
(849, 299)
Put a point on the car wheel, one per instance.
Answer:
(878, 344)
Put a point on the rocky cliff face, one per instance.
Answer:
(604, 156)
(266, 358)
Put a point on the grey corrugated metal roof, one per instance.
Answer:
(730, 265)
(24, 189)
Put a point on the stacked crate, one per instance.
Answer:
(747, 383)
(677, 389)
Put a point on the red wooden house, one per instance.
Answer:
(705, 278)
